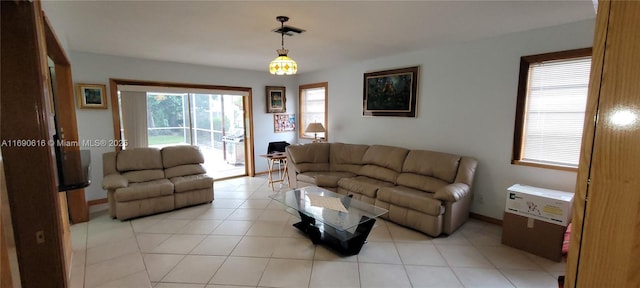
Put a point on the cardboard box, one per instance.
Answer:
(532, 235)
(541, 204)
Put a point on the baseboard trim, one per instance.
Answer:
(97, 201)
(485, 218)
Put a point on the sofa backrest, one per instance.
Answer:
(428, 170)
(383, 162)
(173, 156)
(182, 160)
(346, 157)
(139, 159)
(309, 157)
(466, 170)
(140, 164)
(109, 163)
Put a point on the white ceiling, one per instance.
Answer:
(237, 34)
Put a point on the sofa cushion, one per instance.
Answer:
(304, 167)
(420, 182)
(191, 182)
(385, 156)
(429, 163)
(346, 157)
(324, 179)
(139, 159)
(411, 198)
(309, 153)
(144, 175)
(380, 173)
(363, 185)
(114, 181)
(181, 155)
(452, 192)
(184, 170)
(144, 190)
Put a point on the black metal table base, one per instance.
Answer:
(344, 242)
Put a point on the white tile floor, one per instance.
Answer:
(243, 239)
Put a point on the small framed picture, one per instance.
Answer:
(283, 122)
(91, 96)
(276, 99)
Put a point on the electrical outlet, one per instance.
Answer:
(480, 199)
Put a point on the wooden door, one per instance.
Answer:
(605, 243)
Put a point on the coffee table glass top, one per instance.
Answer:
(324, 205)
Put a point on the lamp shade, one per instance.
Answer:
(283, 65)
(315, 128)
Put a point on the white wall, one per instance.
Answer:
(98, 124)
(466, 105)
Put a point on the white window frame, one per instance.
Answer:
(305, 119)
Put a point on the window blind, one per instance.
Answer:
(313, 108)
(556, 102)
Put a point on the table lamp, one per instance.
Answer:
(315, 128)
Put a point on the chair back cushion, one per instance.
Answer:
(429, 163)
(309, 157)
(139, 159)
(346, 157)
(383, 162)
(173, 156)
(385, 156)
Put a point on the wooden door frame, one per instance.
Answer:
(250, 169)
(30, 170)
(64, 101)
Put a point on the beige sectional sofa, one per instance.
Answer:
(426, 190)
(144, 181)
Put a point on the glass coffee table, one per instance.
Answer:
(335, 220)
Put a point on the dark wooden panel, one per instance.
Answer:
(29, 169)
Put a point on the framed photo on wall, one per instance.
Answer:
(91, 96)
(391, 92)
(284, 122)
(276, 99)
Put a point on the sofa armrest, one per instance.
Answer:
(292, 174)
(452, 192)
(114, 181)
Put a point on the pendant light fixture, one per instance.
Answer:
(283, 65)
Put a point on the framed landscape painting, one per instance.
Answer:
(276, 99)
(91, 96)
(391, 92)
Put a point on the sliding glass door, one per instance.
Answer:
(218, 129)
(213, 122)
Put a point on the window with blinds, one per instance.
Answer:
(552, 97)
(313, 109)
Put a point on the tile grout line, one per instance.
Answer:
(135, 236)
(449, 265)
